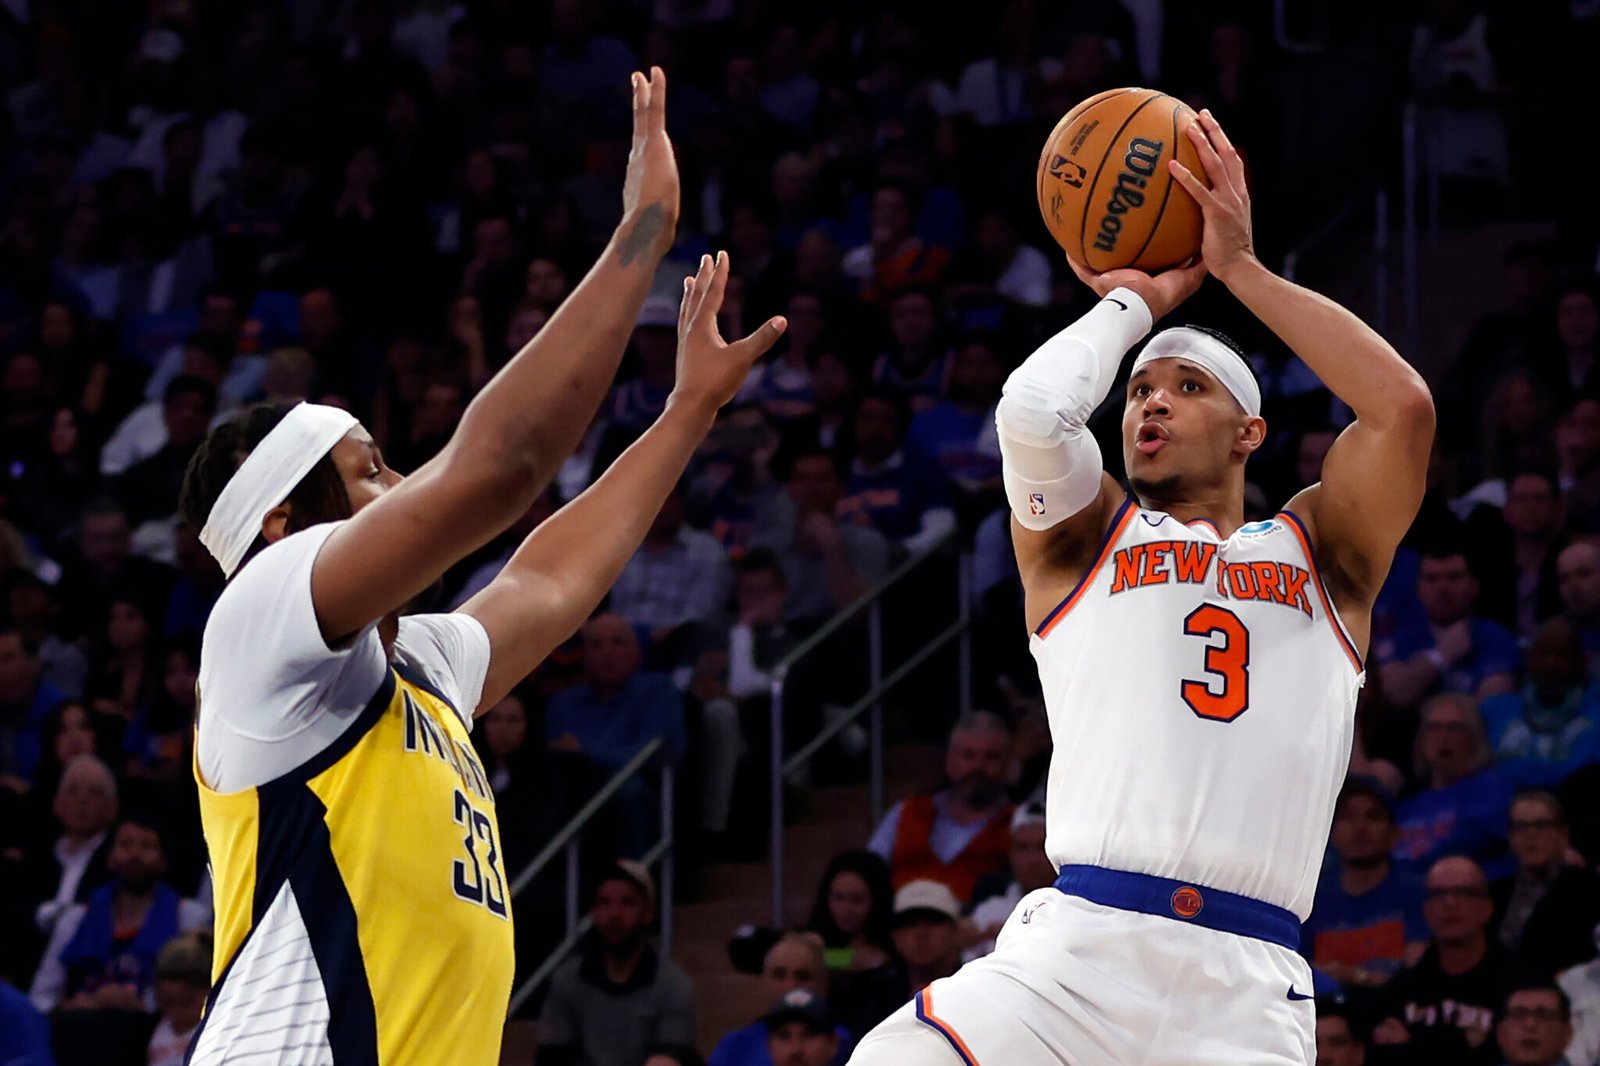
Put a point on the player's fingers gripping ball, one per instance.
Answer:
(1104, 188)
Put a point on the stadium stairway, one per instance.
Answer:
(824, 821)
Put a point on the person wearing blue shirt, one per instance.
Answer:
(619, 708)
(1456, 650)
(1578, 581)
(794, 963)
(1461, 809)
(24, 1033)
(959, 432)
(26, 699)
(890, 487)
(1551, 727)
(1366, 922)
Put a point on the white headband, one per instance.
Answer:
(267, 476)
(1207, 352)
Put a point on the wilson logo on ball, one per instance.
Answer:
(1138, 167)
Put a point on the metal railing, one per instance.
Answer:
(567, 841)
(871, 703)
(1371, 192)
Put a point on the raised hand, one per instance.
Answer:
(1161, 292)
(650, 190)
(710, 370)
(1227, 243)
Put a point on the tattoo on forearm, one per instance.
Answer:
(642, 237)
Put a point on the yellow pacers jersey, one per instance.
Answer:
(363, 912)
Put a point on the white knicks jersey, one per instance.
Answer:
(1201, 695)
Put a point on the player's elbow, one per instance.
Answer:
(1414, 411)
(1026, 416)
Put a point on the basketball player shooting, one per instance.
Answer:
(1200, 673)
(363, 910)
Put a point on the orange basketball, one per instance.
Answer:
(1104, 188)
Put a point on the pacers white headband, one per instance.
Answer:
(1205, 351)
(267, 476)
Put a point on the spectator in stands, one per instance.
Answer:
(1456, 651)
(183, 977)
(1582, 987)
(1461, 809)
(1444, 1007)
(1366, 922)
(800, 1031)
(1535, 1026)
(894, 257)
(889, 488)
(1339, 1043)
(127, 676)
(1519, 578)
(1550, 728)
(24, 1032)
(103, 566)
(853, 912)
(781, 382)
(69, 730)
(960, 833)
(618, 996)
(25, 700)
(74, 864)
(925, 917)
(1578, 461)
(1031, 870)
(1547, 911)
(673, 1055)
(148, 489)
(617, 710)
(678, 576)
(102, 954)
(36, 613)
(959, 431)
(793, 963)
(640, 399)
(826, 563)
(917, 363)
(1578, 577)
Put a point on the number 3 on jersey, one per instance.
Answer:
(486, 888)
(1227, 662)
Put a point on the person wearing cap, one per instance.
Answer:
(926, 914)
(794, 964)
(618, 996)
(801, 1031)
(640, 400)
(1199, 671)
(362, 899)
(1366, 924)
(1030, 870)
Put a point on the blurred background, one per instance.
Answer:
(808, 706)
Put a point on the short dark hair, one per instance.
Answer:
(1539, 795)
(811, 451)
(144, 818)
(1370, 787)
(760, 560)
(190, 385)
(319, 497)
(1564, 1005)
(1338, 1007)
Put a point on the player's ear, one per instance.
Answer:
(1252, 434)
(275, 526)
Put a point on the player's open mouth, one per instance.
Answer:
(1151, 438)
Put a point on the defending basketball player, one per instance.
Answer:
(363, 911)
(1200, 673)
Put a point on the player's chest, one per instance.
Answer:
(1260, 571)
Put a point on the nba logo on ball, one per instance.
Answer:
(1187, 901)
(1036, 503)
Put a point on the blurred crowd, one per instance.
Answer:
(374, 203)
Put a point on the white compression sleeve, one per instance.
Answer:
(1050, 460)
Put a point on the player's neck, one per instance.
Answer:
(1225, 512)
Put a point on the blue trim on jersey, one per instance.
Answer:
(1182, 901)
(1316, 571)
(1105, 542)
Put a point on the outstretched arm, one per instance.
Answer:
(566, 566)
(526, 421)
(1373, 477)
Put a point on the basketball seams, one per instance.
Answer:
(1094, 184)
(1155, 226)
